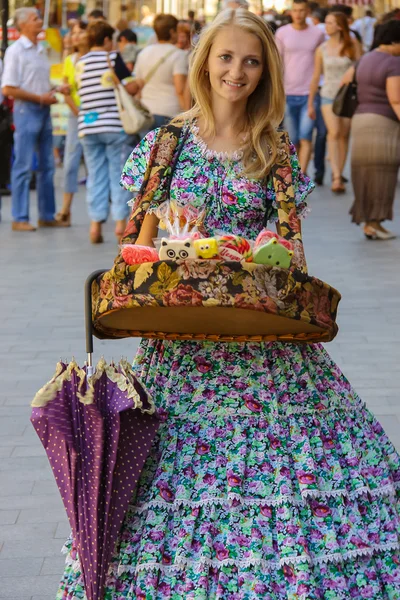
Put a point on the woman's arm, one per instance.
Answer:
(318, 70)
(358, 51)
(348, 76)
(393, 93)
(179, 83)
(72, 105)
(148, 230)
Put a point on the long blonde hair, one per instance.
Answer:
(265, 106)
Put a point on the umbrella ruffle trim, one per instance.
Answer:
(120, 374)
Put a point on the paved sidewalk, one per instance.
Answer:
(41, 320)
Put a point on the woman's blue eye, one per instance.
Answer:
(225, 57)
(253, 62)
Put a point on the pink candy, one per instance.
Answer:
(134, 254)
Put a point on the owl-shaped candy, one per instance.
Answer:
(273, 253)
(176, 249)
(206, 248)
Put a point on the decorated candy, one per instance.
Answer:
(206, 248)
(234, 247)
(266, 235)
(176, 249)
(273, 253)
(134, 254)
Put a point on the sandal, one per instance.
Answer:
(63, 219)
(95, 233)
(337, 185)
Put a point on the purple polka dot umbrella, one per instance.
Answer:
(97, 433)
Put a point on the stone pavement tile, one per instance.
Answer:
(45, 487)
(12, 410)
(12, 597)
(11, 426)
(23, 586)
(29, 502)
(26, 531)
(8, 517)
(53, 566)
(40, 515)
(16, 464)
(63, 529)
(21, 566)
(39, 547)
(4, 451)
(28, 451)
(10, 487)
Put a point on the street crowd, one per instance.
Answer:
(321, 51)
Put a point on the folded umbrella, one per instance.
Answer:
(97, 431)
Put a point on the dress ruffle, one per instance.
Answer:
(269, 478)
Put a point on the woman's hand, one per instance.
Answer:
(348, 76)
(312, 112)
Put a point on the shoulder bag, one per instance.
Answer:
(133, 114)
(346, 102)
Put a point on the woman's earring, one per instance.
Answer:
(206, 72)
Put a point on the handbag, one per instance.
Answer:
(346, 102)
(166, 300)
(133, 115)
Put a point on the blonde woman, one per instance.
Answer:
(265, 480)
(333, 58)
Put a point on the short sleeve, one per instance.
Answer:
(303, 186)
(181, 63)
(120, 68)
(11, 72)
(394, 68)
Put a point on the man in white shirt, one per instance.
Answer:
(26, 78)
(164, 68)
(366, 28)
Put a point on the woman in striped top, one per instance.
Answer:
(103, 138)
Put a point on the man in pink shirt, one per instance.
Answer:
(297, 43)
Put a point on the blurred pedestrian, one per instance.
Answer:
(73, 147)
(100, 128)
(195, 25)
(375, 156)
(127, 47)
(365, 26)
(297, 43)
(26, 78)
(184, 36)
(147, 16)
(164, 68)
(96, 15)
(332, 59)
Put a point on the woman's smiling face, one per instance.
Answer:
(235, 64)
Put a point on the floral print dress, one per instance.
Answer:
(269, 479)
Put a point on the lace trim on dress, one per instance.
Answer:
(213, 154)
(268, 565)
(290, 409)
(385, 490)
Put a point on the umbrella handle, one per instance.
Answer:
(88, 318)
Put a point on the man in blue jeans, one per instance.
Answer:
(26, 78)
(297, 43)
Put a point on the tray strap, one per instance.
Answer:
(289, 223)
(163, 158)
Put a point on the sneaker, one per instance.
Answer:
(22, 226)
